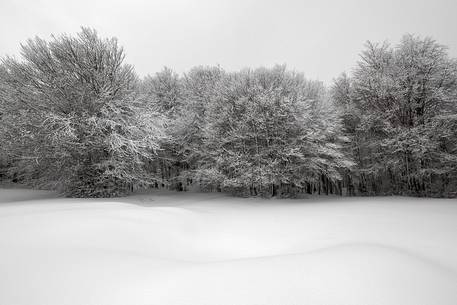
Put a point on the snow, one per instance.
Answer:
(197, 249)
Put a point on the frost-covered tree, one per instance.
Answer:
(199, 86)
(184, 101)
(271, 132)
(5, 125)
(403, 107)
(163, 92)
(74, 122)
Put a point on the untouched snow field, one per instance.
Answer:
(211, 249)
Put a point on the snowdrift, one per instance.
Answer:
(198, 249)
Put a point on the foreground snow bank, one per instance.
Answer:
(197, 249)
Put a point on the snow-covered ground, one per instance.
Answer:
(211, 249)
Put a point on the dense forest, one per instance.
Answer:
(75, 118)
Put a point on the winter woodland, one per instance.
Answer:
(77, 119)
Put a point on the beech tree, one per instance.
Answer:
(75, 121)
(163, 92)
(403, 104)
(270, 132)
(199, 86)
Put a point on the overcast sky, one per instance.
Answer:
(320, 38)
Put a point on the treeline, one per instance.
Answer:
(75, 118)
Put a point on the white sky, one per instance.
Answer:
(320, 38)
